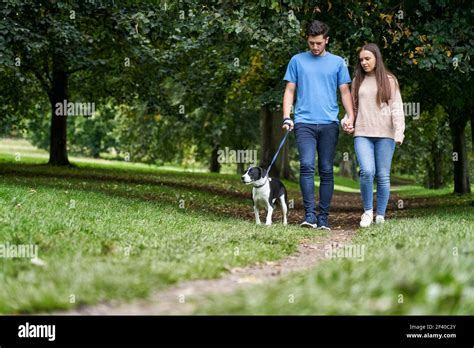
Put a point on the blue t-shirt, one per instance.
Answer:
(317, 79)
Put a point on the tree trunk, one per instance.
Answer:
(345, 168)
(241, 168)
(428, 181)
(472, 130)
(266, 148)
(58, 136)
(434, 168)
(460, 160)
(271, 135)
(355, 174)
(282, 163)
(437, 170)
(215, 166)
(285, 169)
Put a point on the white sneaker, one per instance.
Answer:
(379, 219)
(306, 224)
(366, 219)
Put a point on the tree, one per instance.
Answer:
(54, 42)
(441, 42)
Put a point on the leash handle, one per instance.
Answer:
(278, 151)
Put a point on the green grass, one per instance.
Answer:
(14, 151)
(108, 240)
(417, 265)
(20, 150)
(419, 191)
(10, 148)
(117, 230)
(111, 230)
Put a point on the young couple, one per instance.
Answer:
(374, 115)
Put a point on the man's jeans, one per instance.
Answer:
(323, 138)
(375, 158)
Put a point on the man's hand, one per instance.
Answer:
(288, 99)
(348, 125)
(349, 119)
(288, 124)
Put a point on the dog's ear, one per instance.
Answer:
(264, 173)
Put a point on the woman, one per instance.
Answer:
(379, 125)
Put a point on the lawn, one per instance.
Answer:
(105, 238)
(114, 230)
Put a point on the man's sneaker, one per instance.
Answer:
(366, 219)
(323, 223)
(306, 224)
(379, 219)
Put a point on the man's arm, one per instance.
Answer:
(288, 99)
(348, 106)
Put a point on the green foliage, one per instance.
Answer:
(431, 154)
(150, 137)
(186, 76)
(90, 136)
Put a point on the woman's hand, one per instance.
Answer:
(348, 125)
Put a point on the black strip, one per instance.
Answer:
(223, 330)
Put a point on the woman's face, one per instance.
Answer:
(367, 61)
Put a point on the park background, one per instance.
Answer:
(135, 199)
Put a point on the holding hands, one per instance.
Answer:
(348, 124)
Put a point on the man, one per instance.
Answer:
(315, 76)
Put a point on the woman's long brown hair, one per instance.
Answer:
(383, 83)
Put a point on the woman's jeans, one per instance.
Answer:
(375, 158)
(323, 138)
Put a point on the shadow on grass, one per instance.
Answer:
(346, 207)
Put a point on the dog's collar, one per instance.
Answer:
(263, 183)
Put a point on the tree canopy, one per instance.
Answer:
(171, 80)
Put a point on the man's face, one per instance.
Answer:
(317, 44)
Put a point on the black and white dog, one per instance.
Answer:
(266, 191)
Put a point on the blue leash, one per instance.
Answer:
(278, 151)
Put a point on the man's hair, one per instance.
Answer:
(316, 28)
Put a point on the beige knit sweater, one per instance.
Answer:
(380, 121)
